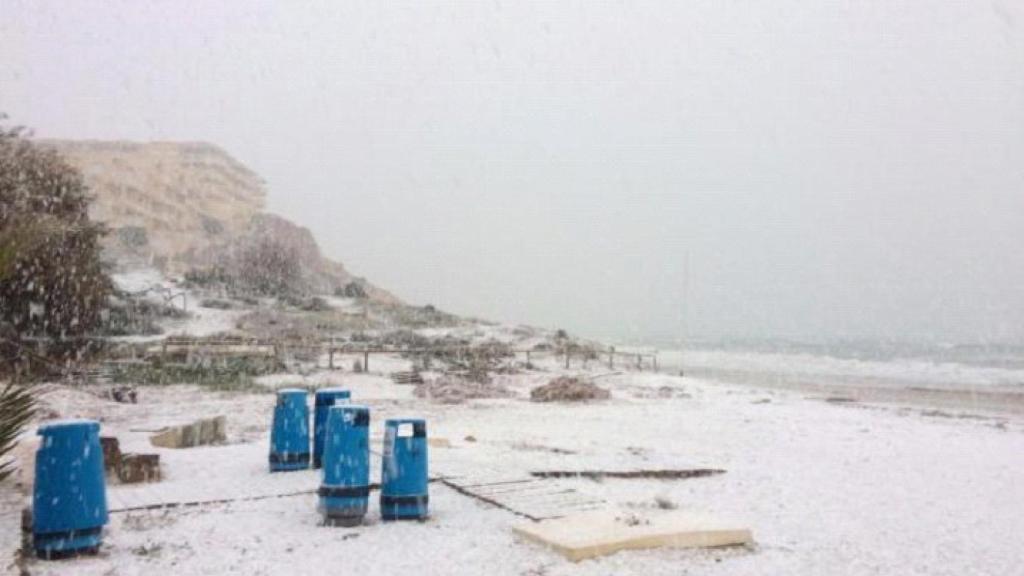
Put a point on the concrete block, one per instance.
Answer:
(220, 429)
(139, 468)
(199, 433)
(190, 435)
(211, 430)
(111, 453)
(167, 438)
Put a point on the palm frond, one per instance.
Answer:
(17, 407)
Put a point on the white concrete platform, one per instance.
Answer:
(603, 532)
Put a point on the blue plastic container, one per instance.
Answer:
(69, 502)
(289, 437)
(322, 403)
(345, 488)
(403, 492)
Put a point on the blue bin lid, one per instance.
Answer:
(419, 425)
(326, 394)
(350, 408)
(290, 391)
(360, 415)
(398, 421)
(57, 426)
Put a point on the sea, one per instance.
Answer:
(997, 366)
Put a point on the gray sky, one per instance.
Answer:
(831, 168)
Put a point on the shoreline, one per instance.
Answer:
(792, 461)
(874, 390)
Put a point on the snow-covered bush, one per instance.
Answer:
(52, 282)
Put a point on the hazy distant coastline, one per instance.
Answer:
(962, 377)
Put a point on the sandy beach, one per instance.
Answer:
(826, 486)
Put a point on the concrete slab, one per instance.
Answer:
(168, 438)
(199, 433)
(134, 468)
(604, 532)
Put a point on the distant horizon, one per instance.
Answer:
(821, 340)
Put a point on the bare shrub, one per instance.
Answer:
(568, 389)
(449, 389)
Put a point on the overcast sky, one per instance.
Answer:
(827, 168)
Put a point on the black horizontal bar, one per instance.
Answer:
(343, 491)
(288, 458)
(422, 500)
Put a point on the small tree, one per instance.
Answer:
(270, 268)
(52, 282)
(354, 290)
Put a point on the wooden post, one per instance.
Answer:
(654, 359)
(330, 359)
(528, 358)
(611, 358)
(366, 361)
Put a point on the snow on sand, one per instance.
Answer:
(827, 488)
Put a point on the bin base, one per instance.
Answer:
(343, 521)
(58, 545)
(399, 518)
(343, 505)
(288, 462)
(394, 508)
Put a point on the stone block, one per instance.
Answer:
(139, 468)
(111, 453)
(199, 433)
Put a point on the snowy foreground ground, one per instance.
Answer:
(827, 488)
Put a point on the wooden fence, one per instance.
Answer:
(568, 356)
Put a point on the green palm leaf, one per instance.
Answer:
(17, 406)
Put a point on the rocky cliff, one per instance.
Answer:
(181, 205)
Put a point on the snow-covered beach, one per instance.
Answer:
(612, 288)
(826, 486)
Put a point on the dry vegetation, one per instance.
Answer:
(451, 389)
(568, 389)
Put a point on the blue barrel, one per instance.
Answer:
(345, 488)
(323, 401)
(403, 491)
(69, 503)
(289, 437)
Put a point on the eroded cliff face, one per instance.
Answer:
(177, 206)
(183, 195)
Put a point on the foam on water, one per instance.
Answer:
(945, 367)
